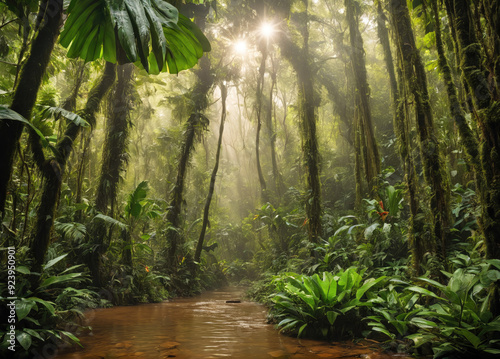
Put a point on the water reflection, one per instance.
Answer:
(200, 327)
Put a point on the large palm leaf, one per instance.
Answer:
(150, 32)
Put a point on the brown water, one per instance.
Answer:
(204, 326)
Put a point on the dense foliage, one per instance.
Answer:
(340, 157)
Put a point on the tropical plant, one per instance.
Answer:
(103, 28)
(327, 306)
(48, 312)
(393, 309)
(459, 321)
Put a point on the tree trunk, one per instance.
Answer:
(487, 113)
(196, 123)
(468, 139)
(260, 86)
(114, 155)
(113, 160)
(53, 170)
(432, 160)
(299, 59)
(211, 189)
(369, 148)
(27, 89)
(279, 186)
(175, 207)
(401, 128)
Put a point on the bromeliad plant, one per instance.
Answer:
(331, 305)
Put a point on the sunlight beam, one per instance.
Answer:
(240, 47)
(267, 30)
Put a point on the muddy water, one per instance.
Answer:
(204, 326)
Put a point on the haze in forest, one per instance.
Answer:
(159, 149)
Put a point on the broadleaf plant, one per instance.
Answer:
(151, 33)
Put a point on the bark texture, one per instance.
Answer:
(213, 177)
(53, 169)
(30, 79)
(432, 161)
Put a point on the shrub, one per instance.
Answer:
(322, 306)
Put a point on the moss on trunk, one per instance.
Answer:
(401, 128)
(432, 160)
(53, 170)
(299, 58)
(30, 78)
(213, 177)
(367, 142)
(196, 122)
(260, 85)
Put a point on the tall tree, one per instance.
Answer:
(271, 132)
(467, 136)
(49, 20)
(259, 105)
(485, 96)
(213, 177)
(300, 59)
(115, 143)
(401, 128)
(196, 123)
(430, 152)
(52, 169)
(487, 114)
(364, 132)
(112, 164)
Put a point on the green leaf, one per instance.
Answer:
(24, 339)
(471, 337)
(46, 304)
(367, 285)
(494, 262)
(134, 206)
(370, 229)
(143, 28)
(424, 292)
(73, 117)
(59, 279)
(140, 25)
(23, 270)
(331, 316)
(302, 329)
(492, 351)
(420, 338)
(23, 308)
(33, 333)
(54, 261)
(8, 114)
(72, 337)
(110, 221)
(385, 331)
(423, 323)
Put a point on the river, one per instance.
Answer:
(204, 326)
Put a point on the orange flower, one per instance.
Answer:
(305, 222)
(147, 269)
(381, 205)
(383, 215)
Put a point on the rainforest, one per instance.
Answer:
(250, 178)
